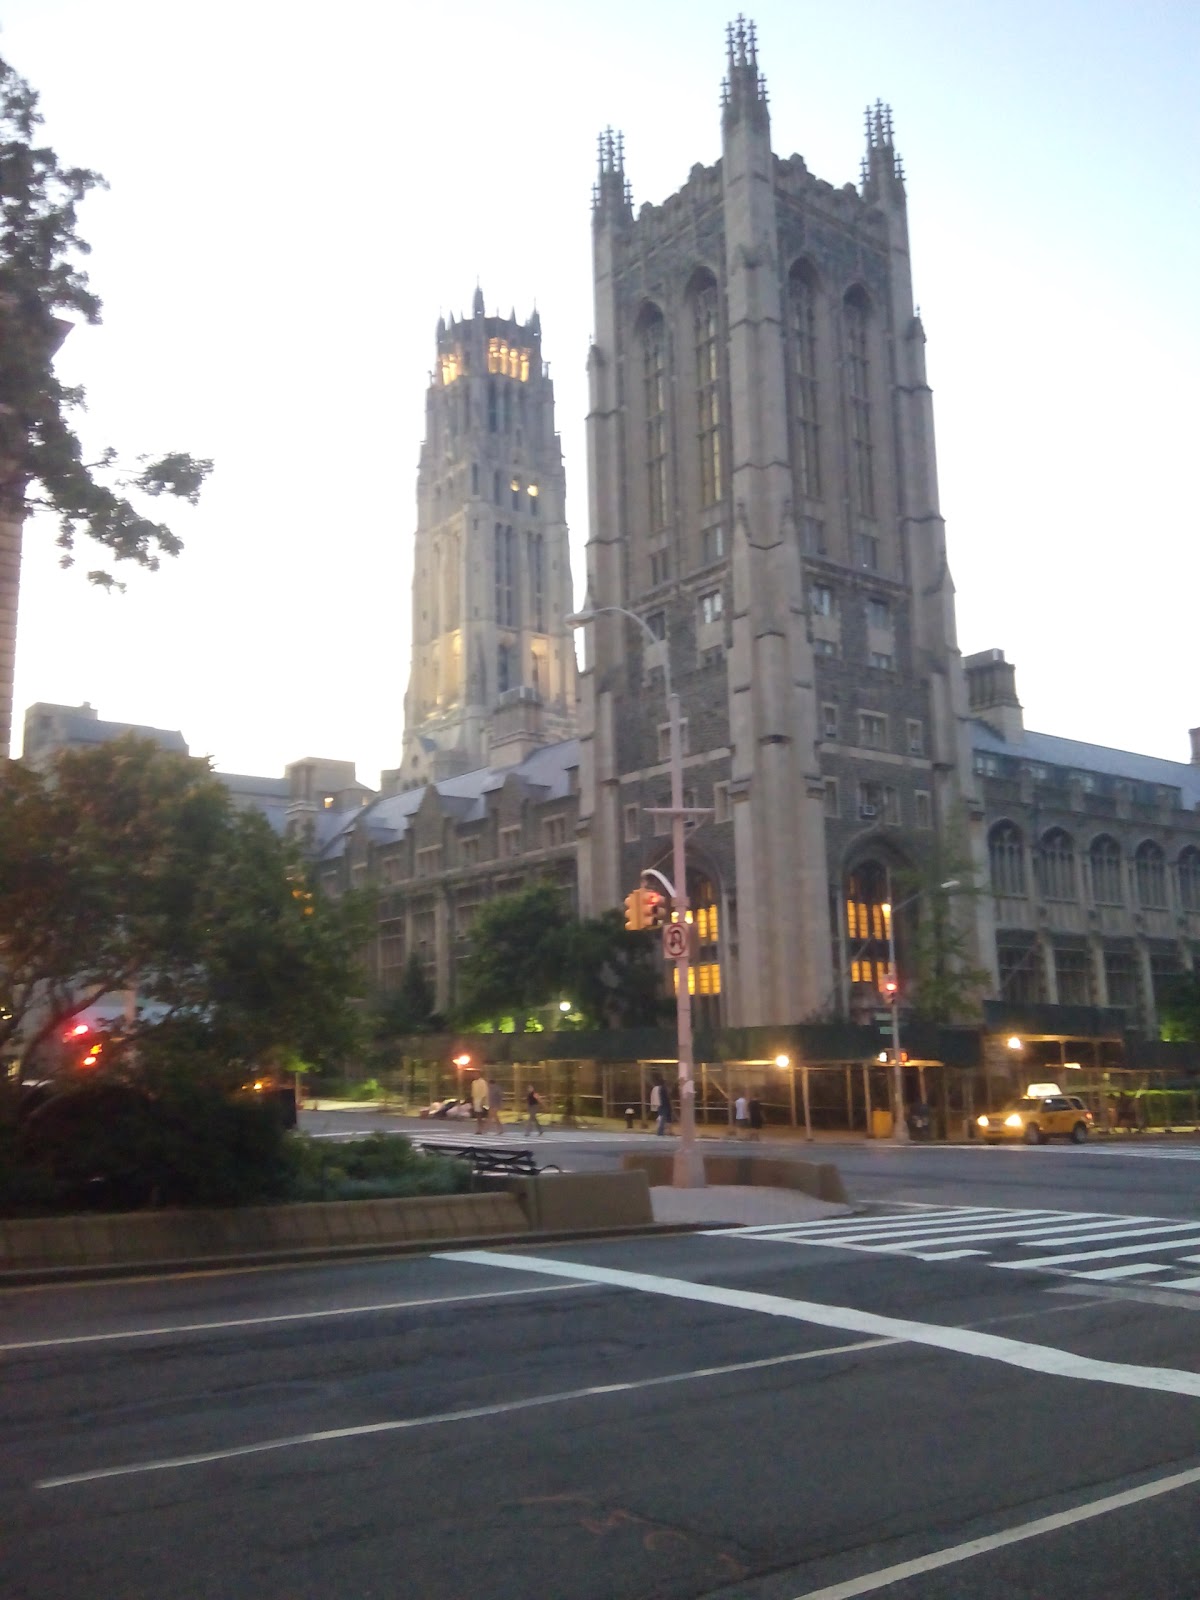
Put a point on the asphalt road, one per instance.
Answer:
(843, 1408)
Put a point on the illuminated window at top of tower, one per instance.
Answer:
(510, 361)
(453, 365)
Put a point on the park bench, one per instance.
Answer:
(486, 1159)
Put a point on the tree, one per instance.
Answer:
(517, 960)
(127, 869)
(615, 977)
(42, 463)
(946, 984)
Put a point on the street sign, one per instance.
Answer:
(675, 940)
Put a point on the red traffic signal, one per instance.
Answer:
(655, 910)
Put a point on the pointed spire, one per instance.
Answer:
(477, 304)
(611, 193)
(882, 170)
(744, 89)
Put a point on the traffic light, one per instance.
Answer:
(634, 920)
(655, 910)
(890, 990)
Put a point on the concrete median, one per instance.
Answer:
(821, 1179)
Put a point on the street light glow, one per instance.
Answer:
(564, 1006)
(783, 1061)
(1013, 1042)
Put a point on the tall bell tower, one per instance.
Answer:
(493, 664)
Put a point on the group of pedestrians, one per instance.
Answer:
(486, 1099)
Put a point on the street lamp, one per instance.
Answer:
(689, 1164)
(899, 1126)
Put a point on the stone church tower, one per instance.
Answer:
(493, 662)
(764, 495)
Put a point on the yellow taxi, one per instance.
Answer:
(1043, 1112)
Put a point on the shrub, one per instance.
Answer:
(380, 1166)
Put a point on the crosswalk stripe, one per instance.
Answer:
(829, 1233)
(1129, 1270)
(1181, 1283)
(1095, 1255)
(1013, 1230)
(1091, 1235)
(853, 1225)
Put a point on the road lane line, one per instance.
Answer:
(1096, 1255)
(287, 1316)
(1089, 1235)
(470, 1414)
(949, 1226)
(1039, 1358)
(885, 1577)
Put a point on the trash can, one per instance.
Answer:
(920, 1121)
(881, 1123)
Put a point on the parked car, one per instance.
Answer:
(446, 1108)
(1037, 1118)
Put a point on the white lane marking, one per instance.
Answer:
(939, 1225)
(1181, 1283)
(1038, 1358)
(935, 1215)
(869, 1582)
(1090, 1236)
(1093, 1255)
(469, 1414)
(258, 1322)
(1129, 1270)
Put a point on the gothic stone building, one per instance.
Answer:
(493, 665)
(764, 497)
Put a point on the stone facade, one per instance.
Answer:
(493, 664)
(1093, 861)
(764, 496)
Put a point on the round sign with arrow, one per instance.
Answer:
(675, 940)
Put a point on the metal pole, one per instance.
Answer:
(807, 1107)
(899, 1126)
(689, 1163)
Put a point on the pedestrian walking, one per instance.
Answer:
(531, 1106)
(741, 1115)
(660, 1104)
(479, 1101)
(756, 1116)
(495, 1099)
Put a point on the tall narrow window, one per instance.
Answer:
(1107, 867)
(856, 322)
(708, 392)
(1054, 865)
(537, 581)
(803, 327)
(493, 406)
(505, 556)
(504, 656)
(1189, 879)
(654, 390)
(1006, 852)
(1150, 872)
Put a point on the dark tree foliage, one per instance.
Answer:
(42, 289)
(1179, 1008)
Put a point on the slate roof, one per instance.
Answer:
(1050, 750)
(544, 775)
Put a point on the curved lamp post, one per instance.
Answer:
(689, 1164)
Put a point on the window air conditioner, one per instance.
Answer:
(866, 811)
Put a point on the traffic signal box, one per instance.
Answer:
(646, 908)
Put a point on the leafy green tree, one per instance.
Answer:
(518, 956)
(615, 977)
(127, 869)
(42, 462)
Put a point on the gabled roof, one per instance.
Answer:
(544, 775)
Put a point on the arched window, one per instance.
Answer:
(1006, 852)
(706, 336)
(654, 401)
(868, 928)
(1150, 874)
(1104, 857)
(802, 328)
(1055, 865)
(1189, 879)
(704, 973)
(506, 587)
(856, 321)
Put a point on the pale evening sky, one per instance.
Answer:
(298, 190)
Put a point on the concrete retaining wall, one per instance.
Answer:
(145, 1237)
(821, 1179)
(571, 1201)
